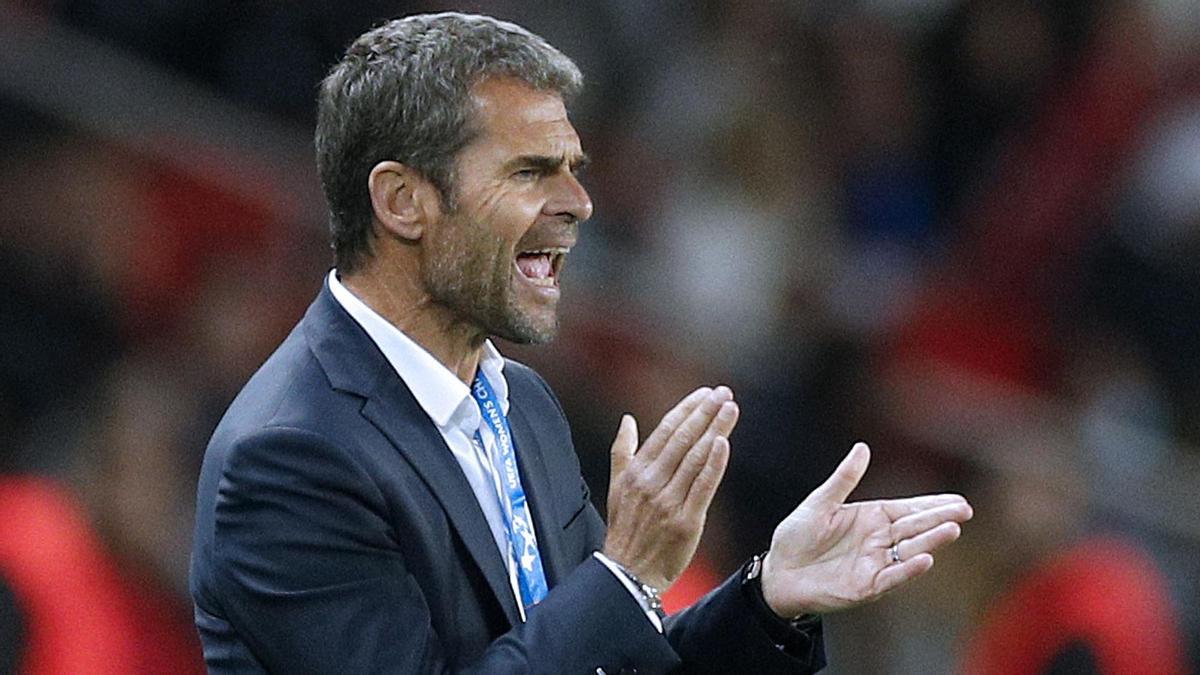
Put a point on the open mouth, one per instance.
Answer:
(541, 267)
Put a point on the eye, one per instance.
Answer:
(527, 174)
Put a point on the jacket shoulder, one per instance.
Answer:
(528, 387)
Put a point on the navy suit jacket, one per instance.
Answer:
(336, 533)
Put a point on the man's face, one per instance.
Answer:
(495, 259)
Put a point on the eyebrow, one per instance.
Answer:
(548, 163)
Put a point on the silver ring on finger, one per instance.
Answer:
(894, 552)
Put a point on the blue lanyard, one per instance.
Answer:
(530, 578)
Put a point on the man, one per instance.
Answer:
(388, 494)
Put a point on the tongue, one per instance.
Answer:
(534, 266)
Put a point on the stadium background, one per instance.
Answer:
(967, 231)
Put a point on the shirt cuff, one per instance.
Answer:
(633, 590)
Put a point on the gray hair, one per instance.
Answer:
(402, 93)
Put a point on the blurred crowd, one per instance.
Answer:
(966, 231)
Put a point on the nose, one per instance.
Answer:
(568, 198)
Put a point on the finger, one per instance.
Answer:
(705, 486)
(697, 456)
(899, 508)
(689, 433)
(923, 521)
(624, 445)
(929, 541)
(897, 574)
(670, 422)
(834, 491)
(724, 422)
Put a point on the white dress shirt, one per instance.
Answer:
(448, 402)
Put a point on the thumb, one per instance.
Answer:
(625, 445)
(834, 491)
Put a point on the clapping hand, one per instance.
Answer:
(659, 494)
(829, 555)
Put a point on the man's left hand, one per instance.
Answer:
(829, 555)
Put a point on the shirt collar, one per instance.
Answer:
(438, 391)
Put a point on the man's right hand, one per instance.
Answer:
(658, 495)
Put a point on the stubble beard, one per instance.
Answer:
(470, 273)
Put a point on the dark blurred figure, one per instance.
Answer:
(989, 63)
(1072, 601)
(60, 325)
(1144, 277)
(132, 307)
(93, 558)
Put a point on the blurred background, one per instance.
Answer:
(966, 231)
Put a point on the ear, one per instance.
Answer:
(403, 200)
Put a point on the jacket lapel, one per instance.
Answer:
(354, 363)
(401, 419)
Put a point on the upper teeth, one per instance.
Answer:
(547, 251)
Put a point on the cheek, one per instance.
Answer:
(507, 212)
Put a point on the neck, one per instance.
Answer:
(454, 343)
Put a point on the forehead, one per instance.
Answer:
(516, 118)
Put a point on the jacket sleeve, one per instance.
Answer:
(310, 575)
(723, 633)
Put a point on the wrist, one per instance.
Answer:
(754, 581)
(769, 592)
(765, 573)
(783, 629)
(618, 558)
(651, 595)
